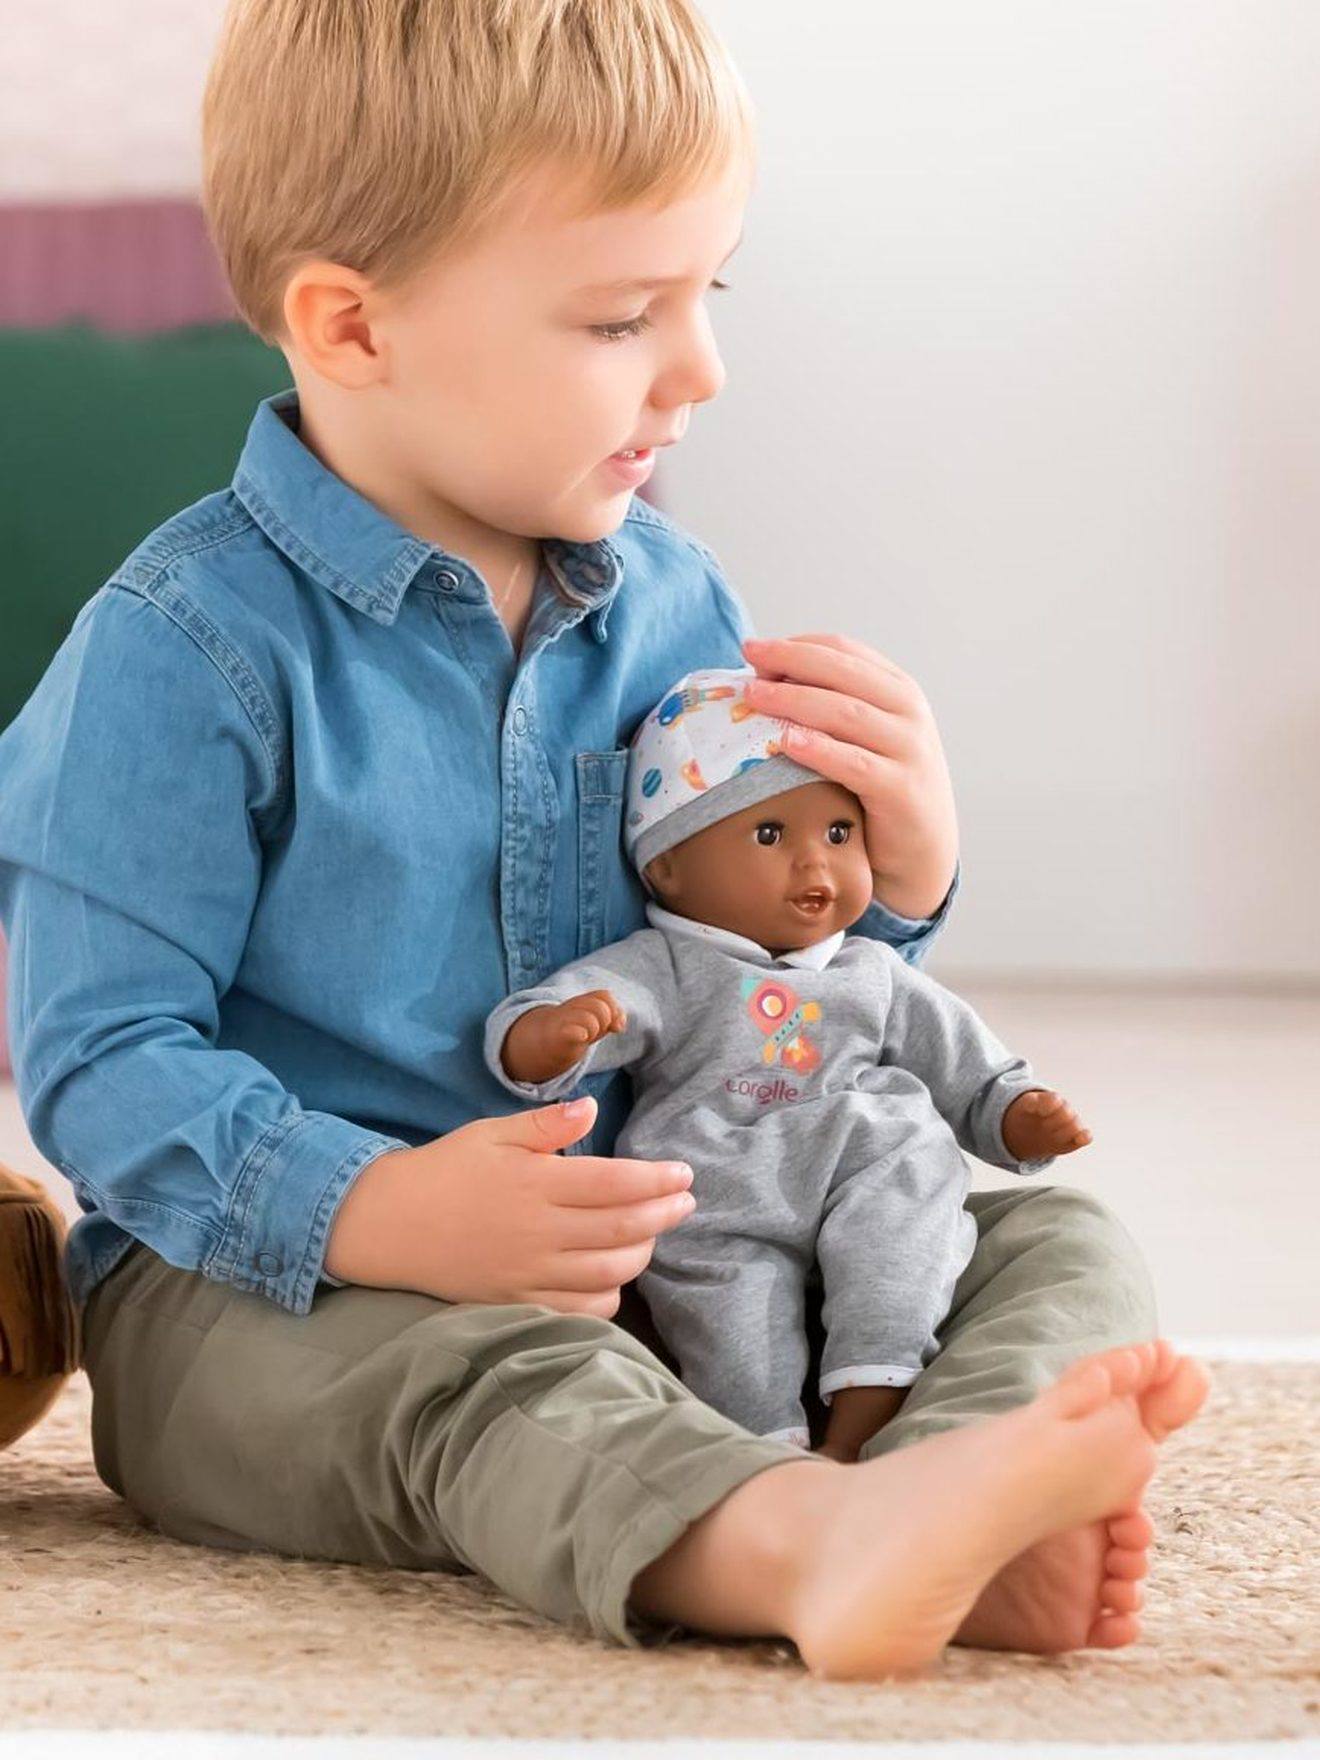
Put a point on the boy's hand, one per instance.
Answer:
(490, 1213)
(865, 724)
(545, 1041)
(1040, 1123)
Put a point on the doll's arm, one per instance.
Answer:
(973, 1078)
(635, 976)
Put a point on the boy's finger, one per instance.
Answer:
(603, 1304)
(599, 1181)
(598, 1268)
(625, 1225)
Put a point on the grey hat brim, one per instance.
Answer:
(770, 776)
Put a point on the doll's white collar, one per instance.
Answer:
(818, 955)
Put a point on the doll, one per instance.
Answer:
(821, 1089)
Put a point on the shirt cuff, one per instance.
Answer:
(284, 1202)
(558, 1087)
(1002, 1097)
(910, 936)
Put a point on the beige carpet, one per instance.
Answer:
(107, 1624)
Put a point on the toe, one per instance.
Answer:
(1131, 1532)
(1148, 1356)
(1112, 1630)
(1126, 1368)
(1082, 1388)
(1122, 1597)
(1166, 1360)
(1120, 1562)
(1174, 1402)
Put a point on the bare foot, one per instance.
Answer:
(974, 1498)
(1083, 1589)
(1072, 1591)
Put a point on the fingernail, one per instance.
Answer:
(682, 1171)
(575, 1108)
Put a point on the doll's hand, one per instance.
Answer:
(1040, 1123)
(546, 1041)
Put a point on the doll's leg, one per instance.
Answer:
(1054, 1276)
(731, 1311)
(893, 1240)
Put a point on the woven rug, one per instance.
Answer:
(107, 1624)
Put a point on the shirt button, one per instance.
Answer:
(269, 1262)
(520, 719)
(448, 582)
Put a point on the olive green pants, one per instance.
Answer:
(555, 1454)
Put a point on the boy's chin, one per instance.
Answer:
(597, 519)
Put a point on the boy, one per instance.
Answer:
(334, 760)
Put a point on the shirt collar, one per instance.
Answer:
(349, 545)
(817, 956)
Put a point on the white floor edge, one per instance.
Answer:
(1287, 1349)
(204, 1745)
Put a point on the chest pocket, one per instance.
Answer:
(600, 785)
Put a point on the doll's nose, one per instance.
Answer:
(810, 873)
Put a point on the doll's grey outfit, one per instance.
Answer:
(810, 1094)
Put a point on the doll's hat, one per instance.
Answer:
(701, 754)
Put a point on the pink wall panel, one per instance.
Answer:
(121, 265)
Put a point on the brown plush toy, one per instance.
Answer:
(40, 1345)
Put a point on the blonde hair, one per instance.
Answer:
(380, 133)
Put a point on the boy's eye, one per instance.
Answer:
(844, 825)
(635, 326)
(773, 827)
(617, 332)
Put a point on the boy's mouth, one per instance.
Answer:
(632, 468)
(813, 901)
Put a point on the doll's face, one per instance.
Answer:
(786, 872)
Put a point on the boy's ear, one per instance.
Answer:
(328, 311)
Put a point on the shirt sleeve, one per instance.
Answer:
(971, 1075)
(133, 787)
(638, 973)
(910, 937)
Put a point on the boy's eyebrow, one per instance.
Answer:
(639, 284)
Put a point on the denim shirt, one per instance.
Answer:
(285, 817)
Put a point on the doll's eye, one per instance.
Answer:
(844, 825)
(771, 825)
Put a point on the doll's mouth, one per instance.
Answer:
(814, 901)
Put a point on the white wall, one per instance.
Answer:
(1024, 389)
